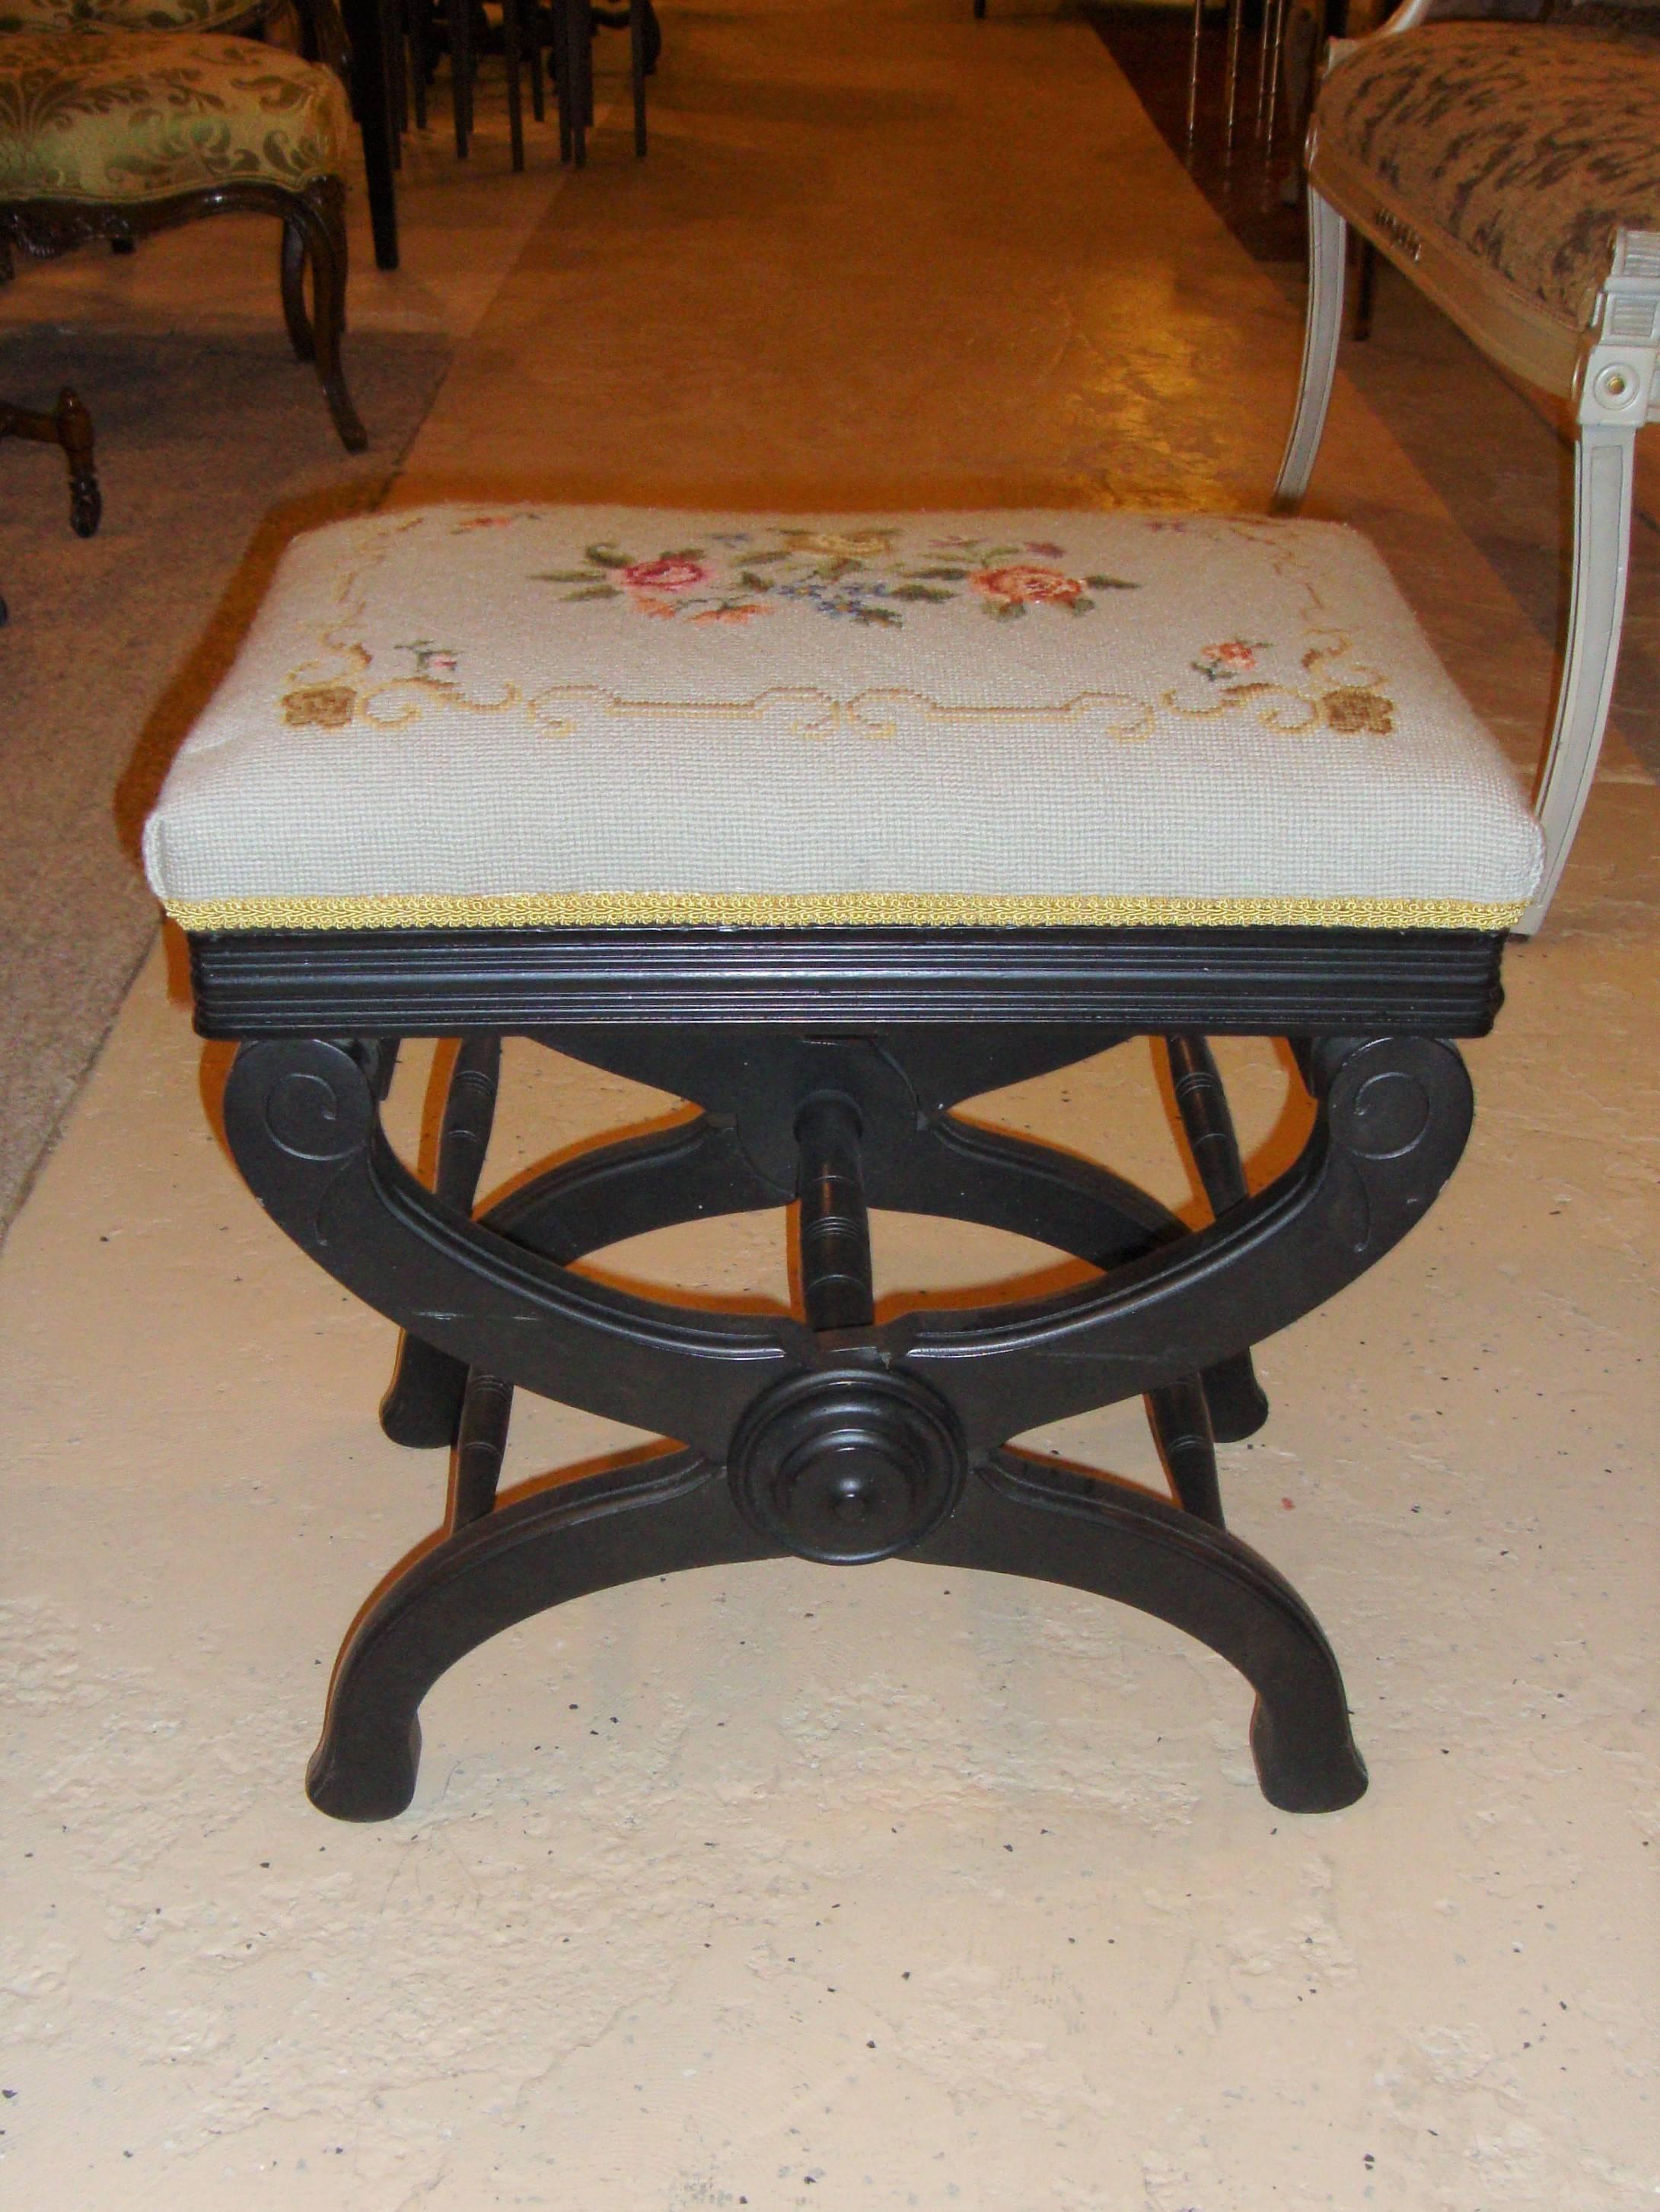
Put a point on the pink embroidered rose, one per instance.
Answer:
(1234, 657)
(1025, 585)
(665, 575)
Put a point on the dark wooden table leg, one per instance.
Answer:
(365, 26)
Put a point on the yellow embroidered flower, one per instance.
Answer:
(842, 544)
(320, 706)
(1357, 713)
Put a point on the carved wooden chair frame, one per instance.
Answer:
(314, 223)
(314, 233)
(1610, 376)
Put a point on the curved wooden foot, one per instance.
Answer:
(633, 1521)
(318, 214)
(1016, 1515)
(1019, 1516)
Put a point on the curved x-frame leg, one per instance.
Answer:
(843, 1440)
(684, 1174)
(923, 1159)
(1016, 1516)
(1022, 1517)
(618, 1526)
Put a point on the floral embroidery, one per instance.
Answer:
(843, 545)
(865, 575)
(437, 662)
(1023, 586)
(1357, 710)
(320, 706)
(668, 575)
(1235, 656)
(1351, 712)
(851, 576)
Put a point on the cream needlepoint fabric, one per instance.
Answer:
(532, 716)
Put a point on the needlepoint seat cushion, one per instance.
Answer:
(1523, 149)
(102, 119)
(523, 716)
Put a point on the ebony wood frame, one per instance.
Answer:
(313, 233)
(827, 1064)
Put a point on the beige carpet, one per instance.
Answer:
(211, 452)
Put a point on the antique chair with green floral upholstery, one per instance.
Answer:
(114, 135)
(359, 62)
(1510, 170)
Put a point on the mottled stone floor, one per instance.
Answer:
(797, 1887)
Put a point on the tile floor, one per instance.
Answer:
(788, 1887)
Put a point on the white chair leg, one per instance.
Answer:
(1604, 468)
(1328, 245)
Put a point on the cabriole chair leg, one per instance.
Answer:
(1328, 237)
(320, 217)
(292, 267)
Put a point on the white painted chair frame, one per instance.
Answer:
(1610, 373)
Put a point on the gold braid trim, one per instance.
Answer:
(832, 910)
